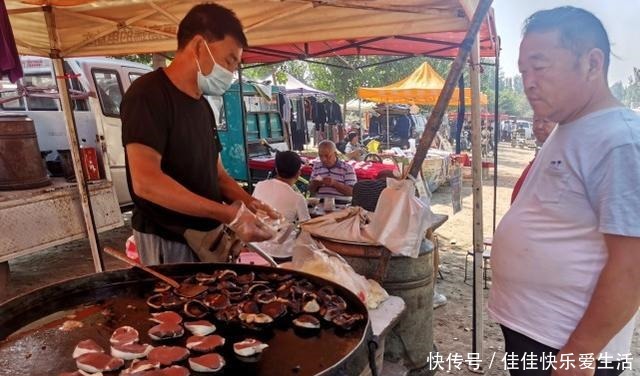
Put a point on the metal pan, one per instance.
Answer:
(31, 342)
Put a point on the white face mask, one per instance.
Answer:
(217, 81)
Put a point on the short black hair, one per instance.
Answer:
(287, 164)
(351, 136)
(579, 30)
(213, 22)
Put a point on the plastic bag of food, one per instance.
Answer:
(311, 257)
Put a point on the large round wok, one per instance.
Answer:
(32, 343)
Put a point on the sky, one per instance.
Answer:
(621, 19)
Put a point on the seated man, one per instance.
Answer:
(353, 149)
(331, 176)
(279, 192)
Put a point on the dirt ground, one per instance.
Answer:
(452, 322)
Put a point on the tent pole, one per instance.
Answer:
(496, 138)
(74, 145)
(461, 112)
(388, 136)
(478, 332)
(243, 122)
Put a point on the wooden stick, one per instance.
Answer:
(435, 119)
(122, 257)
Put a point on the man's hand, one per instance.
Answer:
(248, 227)
(568, 363)
(257, 206)
(328, 182)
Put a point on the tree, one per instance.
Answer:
(142, 58)
(632, 91)
(618, 90)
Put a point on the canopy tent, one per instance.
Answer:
(293, 86)
(360, 105)
(277, 30)
(423, 86)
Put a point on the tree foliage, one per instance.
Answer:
(141, 58)
(632, 90)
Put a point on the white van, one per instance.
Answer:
(97, 85)
(525, 126)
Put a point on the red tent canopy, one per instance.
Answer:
(443, 44)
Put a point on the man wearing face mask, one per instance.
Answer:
(175, 175)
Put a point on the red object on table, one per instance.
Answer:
(462, 158)
(364, 170)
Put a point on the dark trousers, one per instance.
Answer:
(519, 346)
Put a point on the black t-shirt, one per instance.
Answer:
(182, 129)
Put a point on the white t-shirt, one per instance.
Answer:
(549, 249)
(283, 198)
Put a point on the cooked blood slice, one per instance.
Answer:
(195, 309)
(250, 307)
(167, 355)
(249, 347)
(307, 322)
(175, 371)
(274, 309)
(166, 331)
(207, 363)
(346, 320)
(139, 366)
(86, 347)
(130, 351)
(161, 287)
(311, 306)
(259, 318)
(166, 317)
(204, 344)
(216, 301)
(124, 335)
(200, 327)
(80, 373)
(98, 362)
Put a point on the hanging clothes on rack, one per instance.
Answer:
(334, 113)
(299, 131)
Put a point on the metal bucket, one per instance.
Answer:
(21, 164)
(411, 341)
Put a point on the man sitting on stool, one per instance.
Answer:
(331, 176)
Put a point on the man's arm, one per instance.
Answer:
(614, 301)
(150, 183)
(230, 188)
(344, 189)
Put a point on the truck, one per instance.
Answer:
(44, 217)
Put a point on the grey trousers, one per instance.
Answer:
(154, 250)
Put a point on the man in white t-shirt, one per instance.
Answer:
(566, 256)
(279, 192)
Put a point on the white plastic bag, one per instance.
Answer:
(311, 257)
(400, 219)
